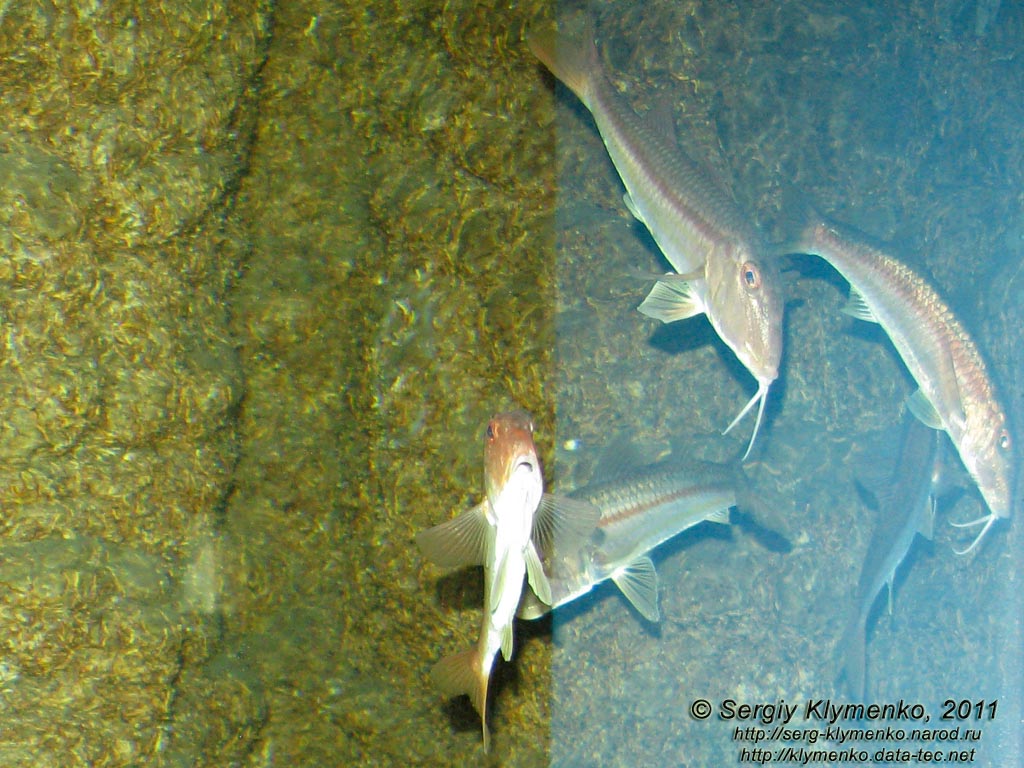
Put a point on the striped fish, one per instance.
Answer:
(715, 249)
(955, 393)
(640, 509)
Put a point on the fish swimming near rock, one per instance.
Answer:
(712, 245)
(503, 533)
(906, 508)
(955, 393)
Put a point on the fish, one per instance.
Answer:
(955, 393)
(715, 249)
(906, 503)
(640, 509)
(502, 533)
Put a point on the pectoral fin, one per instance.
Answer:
(720, 516)
(530, 606)
(536, 577)
(924, 410)
(952, 393)
(639, 583)
(506, 641)
(561, 522)
(632, 208)
(949, 397)
(459, 542)
(926, 526)
(857, 306)
(671, 300)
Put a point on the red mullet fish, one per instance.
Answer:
(955, 393)
(715, 249)
(640, 509)
(502, 533)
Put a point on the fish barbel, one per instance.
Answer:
(502, 534)
(715, 249)
(955, 393)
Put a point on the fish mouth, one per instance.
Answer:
(526, 461)
(522, 467)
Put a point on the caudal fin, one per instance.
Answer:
(853, 657)
(574, 61)
(797, 221)
(461, 674)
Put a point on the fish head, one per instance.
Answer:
(512, 473)
(744, 304)
(990, 461)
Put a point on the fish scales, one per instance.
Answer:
(638, 495)
(640, 509)
(689, 215)
(503, 533)
(941, 356)
(713, 246)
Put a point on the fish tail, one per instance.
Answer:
(854, 657)
(463, 674)
(799, 218)
(573, 61)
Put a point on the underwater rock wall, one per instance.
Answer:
(124, 129)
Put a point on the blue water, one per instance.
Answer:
(905, 123)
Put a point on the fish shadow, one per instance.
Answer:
(460, 590)
(461, 715)
(697, 332)
(570, 612)
(464, 718)
(685, 336)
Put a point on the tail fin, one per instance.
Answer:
(461, 674)
(574, 61)
(852, 653)
(799, 216)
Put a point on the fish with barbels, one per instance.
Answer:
(640, 509)
(955, 393)
(906, 508)
(714, 248)
(503, 533)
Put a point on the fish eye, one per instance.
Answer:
(751, 275)
(1005, 443)
(490, 430)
